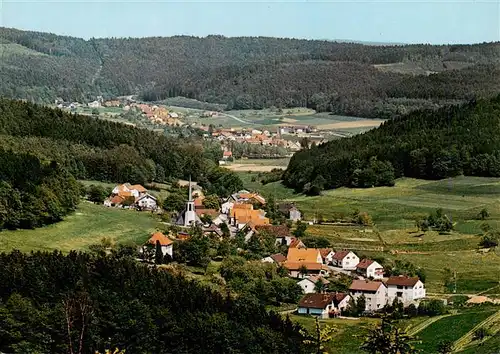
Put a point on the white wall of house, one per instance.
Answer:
(406, 294)
(350, 261)
(329, 258)
(374, 300)
(307, 286)
(375, 270)
(295, 215)
(322, 313)
(168, 250)
(267, 260)
(225, 207)
(147, 202)
(287, 239)
(344, 303)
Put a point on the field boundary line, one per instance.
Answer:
(461, 342)
(421, 326)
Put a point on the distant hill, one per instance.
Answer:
(248, 72)
(425, 144)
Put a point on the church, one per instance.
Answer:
(188, 216)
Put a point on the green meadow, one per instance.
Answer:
(86, 226)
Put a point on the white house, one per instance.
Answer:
(308, 284)
(167, 245)
(406, 289)
(226, 207)
(327, 255)
(345, 259)
(146, 202)
(295, 214)
(370, 269)
(126, 189)
(375, 293)
(317, 305)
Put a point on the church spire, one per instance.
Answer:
(190, 197)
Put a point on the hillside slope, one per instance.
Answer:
(247, 72)
(424, 144)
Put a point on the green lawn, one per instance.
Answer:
(275, 189)
(394, 211)
(349, 334)
(490, 346)
(449, 328)
(82, 228)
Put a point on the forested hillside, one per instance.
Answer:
(248, 72)
(96, 149)
(81, 303)
(33, 193)
(424, 144)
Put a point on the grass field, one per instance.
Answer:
(349, 334)
(449, 328)
(82, 228)
(490, 346)
(393, 235)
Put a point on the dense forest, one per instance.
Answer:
(248, 72)
(97, 149)
(83, 303)
(454, 140)
(33, 193)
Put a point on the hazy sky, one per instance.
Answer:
(379, 21)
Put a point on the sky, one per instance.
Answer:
(431, 21)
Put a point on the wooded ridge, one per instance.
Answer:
(427, 144)
(248, 72)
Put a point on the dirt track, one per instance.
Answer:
(353, 124)
(239, 167)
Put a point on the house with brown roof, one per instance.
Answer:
(375, 293)
(323, 305)
(405, 289)
(345, 259)
(243, 215)
(277, 258)
(370, 269)
(308, 284)
(327, 255)
(302, 262)
(167, 245)
(296, 243)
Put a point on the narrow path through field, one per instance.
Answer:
(493, 322)
(421, 326)
(236, 118)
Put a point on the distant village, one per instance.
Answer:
(286, 136)
(310, 267)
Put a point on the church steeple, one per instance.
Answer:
(190, 197)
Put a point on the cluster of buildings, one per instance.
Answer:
(129, 196)
(311, 265)
(156, 114)
(255, 137)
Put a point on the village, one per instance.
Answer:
(312, 268)
(282, 134)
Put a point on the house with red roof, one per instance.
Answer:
(327, 255)
(370, 269)
(323, 305)
(277, 258)
(345, 259)
(166, 244)
(406, 289)
(375, 293)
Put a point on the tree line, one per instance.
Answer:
(83, 303)
(247, 72)
(34, 193)
(428, 144)
(91, 148)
